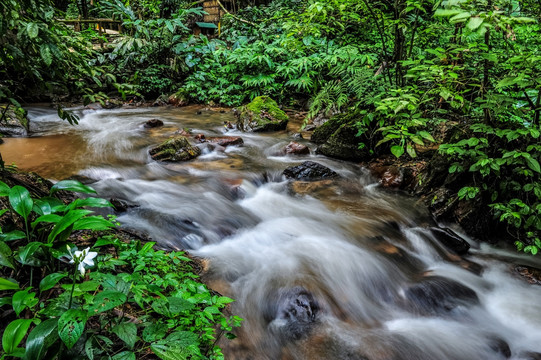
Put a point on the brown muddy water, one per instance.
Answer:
(324, 270)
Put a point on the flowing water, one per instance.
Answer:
(323, 270)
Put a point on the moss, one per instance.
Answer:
(175, 149)
(262, 114)
(325, 131)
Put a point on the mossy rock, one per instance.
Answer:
(15, 121)
(180, 98)
(338, 137)
(262, 114)
(174, 150)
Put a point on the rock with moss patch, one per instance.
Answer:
(180, 98)
(174, 150)
(338, 138)
(14, 122)
(262, 114)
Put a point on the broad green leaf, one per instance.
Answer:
(5, 301)
(124, 355)
(533, 164)
(90, 202)
(49, 281)
(25, 255)
(154, 332)
(170, 352)
(127, 332)
(71, 326)
(474, 23)
(14, 334)
(66, 222)
(397, 150)
(23, 299)
(40, 339)
(107, 300)
(183, 338)
(46, 55)
(5, 255)
(49, 218)
(446, 12)
(92, 223)
(13, 235)
(426, 135)
(4, 189)
(5, 284)
(178, 305)
(32, 30)
(21, 201)
(72, 185)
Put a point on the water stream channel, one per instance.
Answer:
(334, 269)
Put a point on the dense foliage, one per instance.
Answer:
(462, 75)
(135, 301)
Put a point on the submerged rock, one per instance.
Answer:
(152, 123)
(262, 114)
(175, 149)
(338, 139)
(309, 170)
(437, 295)
(227, 140)
(294, 148)
(451, 240)
(15, 121)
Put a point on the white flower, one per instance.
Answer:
(82, 258)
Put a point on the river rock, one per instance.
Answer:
(338, 139)
(451, 240)
(15, 122)
(153, 123)
(112, 104)
(121, 205)
(309, 170)
(227, 140)
(294, 148)
(530, 274)
(180, 98)
(437, 295)
(262, 114)
(175, 149)
(291, 312)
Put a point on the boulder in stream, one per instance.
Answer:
(338, 138)
(153, 123)
(291, 312)
(227, 140)
(180, 98)
(174, 150)
(294, 148)
(438, 295)
(451, 240)
(309, 170)
(15, 121)
(262, 114)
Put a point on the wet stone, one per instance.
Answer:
(437, 295)
(530, 274)
(309, 170)
(294, 148)
(450, 240)
(153, 123)
(227, 140)
(291, 312)
(174, 150)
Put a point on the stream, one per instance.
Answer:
(332, 269)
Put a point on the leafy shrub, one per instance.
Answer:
(136, 300)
